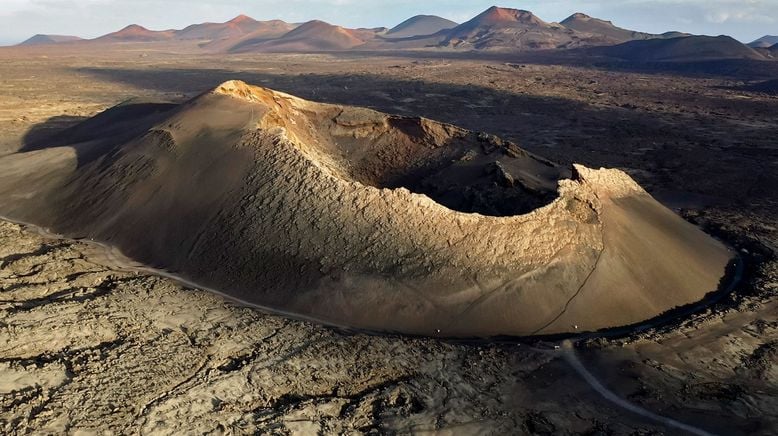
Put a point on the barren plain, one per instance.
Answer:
(93, 343)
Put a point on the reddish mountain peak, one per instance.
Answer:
(134, 28)
(498, 15)
(241, 19)
(320, 35)
(316, 26)
(134, 32)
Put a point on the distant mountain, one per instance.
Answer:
(241, 29)
(609, 32)
(313, 36)
(50, 39)
(770, 52)
(502, 28)
(237, 27)
(586, 24)
(674, 34)
(496, 29)
(264, 31)
(420, 25)
(766, 41)
(690, 48)
(136, 33)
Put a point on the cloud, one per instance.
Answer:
(737, 17)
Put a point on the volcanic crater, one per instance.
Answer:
(362, 219)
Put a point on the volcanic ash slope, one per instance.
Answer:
(358, 218)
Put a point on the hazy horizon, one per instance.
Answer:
(21, 19)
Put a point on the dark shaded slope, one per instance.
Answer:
(686, 49)
(50, 39)
(610, 33)
(586, 24)
(764, 42)
(420, 25)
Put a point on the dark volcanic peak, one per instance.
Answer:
(764, 42)
(420, 25)
(50, 39)
(685, 49)
(674, 34)
(610, 33)
(605, 29)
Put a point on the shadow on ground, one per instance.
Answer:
(687, 156)
(591, 58)
(45, 134)
(96, 136)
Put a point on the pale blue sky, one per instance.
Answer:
(19, 19)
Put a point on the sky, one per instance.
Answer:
(745, 20)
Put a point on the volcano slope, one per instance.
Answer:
(357, 218)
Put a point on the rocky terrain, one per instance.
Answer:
(83, 326)
(140, 354)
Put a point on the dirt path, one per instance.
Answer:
(575, 363)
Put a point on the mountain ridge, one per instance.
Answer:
(46, 39)
(496, 29)
(420, 25)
